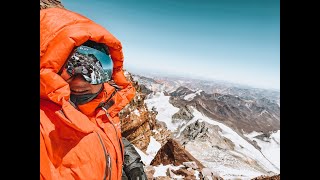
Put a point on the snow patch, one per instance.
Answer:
(146, 159)
(164, 108)
(270, 149)
(136, 112)
(153, 147)
(189, 97)
(161, 170)
(262, 112)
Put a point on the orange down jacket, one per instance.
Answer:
(83, 143)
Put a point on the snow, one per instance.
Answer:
(155, 131)
(196, 173)
(164, 108)
(271, 149)
(146, 159)
(222, 161)
(192, 95)
(264, 111)
(238, 173)
(136, 112)
(253, 134)
(276, 136)
(151, 151)
(153, 147)
(246, 150)
(161, 170)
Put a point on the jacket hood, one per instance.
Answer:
(61, 31)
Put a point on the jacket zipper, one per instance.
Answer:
(110, 119)
(108, 169)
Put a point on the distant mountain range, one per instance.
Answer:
(171, 83)
(247, 109)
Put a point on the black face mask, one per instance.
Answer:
(82, 99)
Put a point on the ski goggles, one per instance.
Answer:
(95, 66)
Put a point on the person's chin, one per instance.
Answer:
(79, 92)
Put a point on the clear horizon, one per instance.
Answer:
(226, 40)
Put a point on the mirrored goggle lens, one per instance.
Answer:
(94, 65)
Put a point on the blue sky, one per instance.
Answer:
(232, 40)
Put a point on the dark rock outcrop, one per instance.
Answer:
(205, 132)
(173, 153)
(183, 114)
(181, 92)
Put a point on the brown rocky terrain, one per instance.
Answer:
(137, 122)
(275, 177)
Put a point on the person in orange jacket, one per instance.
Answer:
(82, 90)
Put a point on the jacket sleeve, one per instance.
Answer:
(133, 166)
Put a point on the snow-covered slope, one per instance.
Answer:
(244, 161)
(270, 146)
